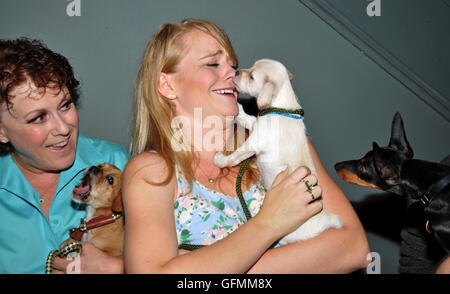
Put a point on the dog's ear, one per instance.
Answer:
(117, 203)
(290, 75)
(398, 139)
(387, 171)
(265, 95)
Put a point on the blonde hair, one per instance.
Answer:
(153, 114)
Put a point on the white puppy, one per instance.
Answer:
(279, 141)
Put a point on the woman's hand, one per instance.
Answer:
(91, 261)
(288, 204)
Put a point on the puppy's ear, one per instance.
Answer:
(117, 203)
(265, 95)
(290, 75)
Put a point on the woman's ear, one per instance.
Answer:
(165, 87)
(3, 138)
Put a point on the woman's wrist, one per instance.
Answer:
(113, 265)
(265, 227)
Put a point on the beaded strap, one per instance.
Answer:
(63, 252)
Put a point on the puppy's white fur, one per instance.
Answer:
(278, 141)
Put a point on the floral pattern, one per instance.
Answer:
(204, 216)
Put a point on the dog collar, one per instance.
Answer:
(434, 189)
(99, 221)
(296, 113)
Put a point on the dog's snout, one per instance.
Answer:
(338, 166)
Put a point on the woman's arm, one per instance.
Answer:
(341, 250)
(150, 237)
(444, 267)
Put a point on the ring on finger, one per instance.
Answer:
(309, 187)
(312, 195)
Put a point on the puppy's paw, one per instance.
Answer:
(220, 160)
(241, 109)
(241, 117)
(245, 120)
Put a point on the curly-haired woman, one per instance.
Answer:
(42, 155)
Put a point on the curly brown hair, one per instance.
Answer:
(24, 59)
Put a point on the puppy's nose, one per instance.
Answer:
(237, 73)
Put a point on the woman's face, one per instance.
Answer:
(41, 127)
(204, 78)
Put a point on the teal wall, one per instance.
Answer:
(349, 100)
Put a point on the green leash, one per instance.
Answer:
(244, 165)
(247, 213)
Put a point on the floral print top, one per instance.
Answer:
(205, 216)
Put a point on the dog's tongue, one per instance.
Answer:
(82, 189)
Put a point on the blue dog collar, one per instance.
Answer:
(296, 116)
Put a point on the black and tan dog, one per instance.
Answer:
(393, 169)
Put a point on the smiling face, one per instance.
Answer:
(204, 78)
(42, 128)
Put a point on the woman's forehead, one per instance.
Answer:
(27, 96)
(201, 45)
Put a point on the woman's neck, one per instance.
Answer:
(39, 179)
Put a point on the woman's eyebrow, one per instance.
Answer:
(63, 99)
(212, 55)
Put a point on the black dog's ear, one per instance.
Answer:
(398, 139)
(387, 171)
(375, 147)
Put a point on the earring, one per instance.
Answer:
(171, 96)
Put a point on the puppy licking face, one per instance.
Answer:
(100, 187)
(263, 81)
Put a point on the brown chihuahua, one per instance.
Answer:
(100, 191)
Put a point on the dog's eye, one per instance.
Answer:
(251, 76)
(110, 179)
(361, 169)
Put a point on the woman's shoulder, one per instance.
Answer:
(146, 177)
(148, 165)
(93, 148)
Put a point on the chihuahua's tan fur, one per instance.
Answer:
(100, 190)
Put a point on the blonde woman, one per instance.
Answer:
(175, 198)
